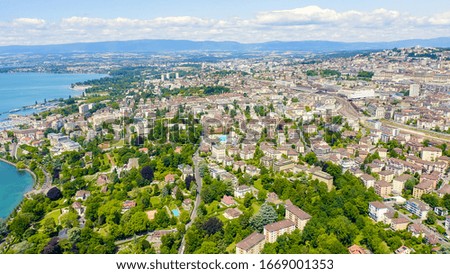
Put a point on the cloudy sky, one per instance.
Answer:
(28, 22)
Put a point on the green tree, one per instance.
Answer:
(212, 226)
(266, 215)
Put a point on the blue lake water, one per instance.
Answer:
(13, 184)
(24, 89)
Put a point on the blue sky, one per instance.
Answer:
(61, 21)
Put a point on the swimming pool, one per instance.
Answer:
(176, 212)
(223, 138)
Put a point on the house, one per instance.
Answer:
(187, 204)
(228, 161)
(417, 230)
(273, 198)
(447, 223)
(128, 205)
(377, 211)
(445, 189)
(169, 178)
(228, 200)
(368, 180)
(82, 195)
(252, 244)
(299, 217)
(274, 230)
(383, 188)
(133, 163)
(430, 153)
(440, 211)
(252, 170)
(400, 223)
(155, 237)
(403, 250)
(186, 170)
(239, 165)
(247, 154)
(240, 191)
(417, 208)
(102, 180)
(398, 184)
(232, 213)
(356, 249)
(79, 208)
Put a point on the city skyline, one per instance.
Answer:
(34, 23)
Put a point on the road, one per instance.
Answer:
(196, 159)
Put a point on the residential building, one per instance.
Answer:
(417, 230)
(430, 153)
(383, 188)
(82, 195)
(417, 208)
(398, 184)
(283, 165)
(299, 217)
(227, 200)
(377, 211)
(323, 177)
(368, 180)
(218, 152)
(440, 211)
(447, 223)
(356, 249)
(232, 213)
(403, 250)
(274, 230)
(399, 223)
(424, 187)
(240, 191)
(252, 244)
(386, 175)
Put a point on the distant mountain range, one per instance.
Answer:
(142, 46)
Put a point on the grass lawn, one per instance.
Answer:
(256, 207)
(119, 143)
(54, 214)
(258, 185)
(155, 200)
(213, 207)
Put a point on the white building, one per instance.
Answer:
(377, 211)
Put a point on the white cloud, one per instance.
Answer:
(305, 23)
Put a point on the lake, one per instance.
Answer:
(24, 89)
(13, 185)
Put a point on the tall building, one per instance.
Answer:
(414, 90)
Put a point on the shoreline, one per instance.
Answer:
(35, 178)
(35, 183)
